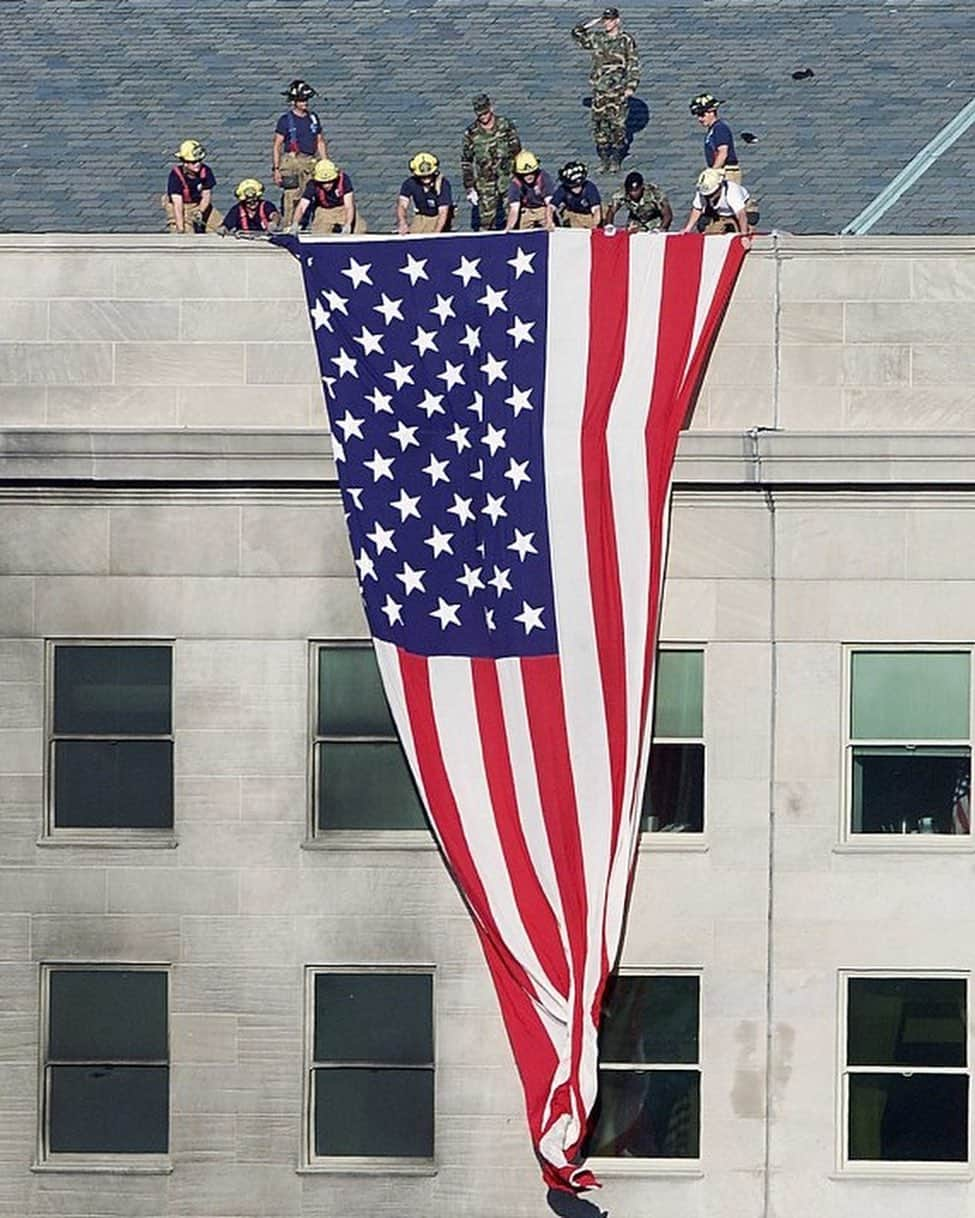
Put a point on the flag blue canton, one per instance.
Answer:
(434, 371)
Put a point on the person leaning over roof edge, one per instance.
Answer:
(252, 213)
(719, 206)
(529, 195)
(188, 201)
(429, 192)
(719, 142)
(327, 204)
(487, 158)
(614, 76)
(648, 208)
(298, 142)
(576, 200)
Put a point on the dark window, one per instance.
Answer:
(907, 1076)
(673, 799)
(363, 780)
(107, 1067)
(910, 754)
(649, 1104)
(112, 747)
(372, 1068)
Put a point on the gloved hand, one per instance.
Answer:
(292, 229)
(472, 197)
(346, 228)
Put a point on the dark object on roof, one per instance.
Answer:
(803, 74)
(748, 137)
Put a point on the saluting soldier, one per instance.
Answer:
(487, 161)
(614, 77)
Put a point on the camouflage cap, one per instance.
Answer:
(481, 103)
(611, 13)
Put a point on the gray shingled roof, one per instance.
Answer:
(96, 93)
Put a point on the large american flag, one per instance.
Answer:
(504, 412)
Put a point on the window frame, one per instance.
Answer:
(657, 839)
(108, 1162)
(309, 1162)
(316, 837)
(847, 840)
(124, 836)
(608, 1165)
(907, 1168)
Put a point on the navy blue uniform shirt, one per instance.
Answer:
(300, 131)
(238, 217)
(427, 199)
(583, 202)
(190, 185)
(719, 133)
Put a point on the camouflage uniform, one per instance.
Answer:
(646, 213)
(615, 72)
(487, 163)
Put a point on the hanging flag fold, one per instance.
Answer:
(505, 411)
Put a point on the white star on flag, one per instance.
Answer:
(393, 611)
(459, 437)
(382, 403)
(453, 374)
(462, 509)
(494, 438)
(445, 614)
(358, 272)
(390, 309)
(523, 544)
(521, 332)
(494, 508)
(522, 262)
(382, 467)
(365, 565)
(411, 579)
(517, 472)
(439, 542)
(406, 505)
(499, 581)
(404, 436)
(471, 579)
(444, 308)
(518, 400)
(381, 538)
(437, 470)
(320, 316)
(432, 404)
(368, 341)
(350, 426)
(416, 268)
(346, 364)
(494, 369)
(472, 338)
(336, 302)
(426, 340)
(402, 374)
(530, 618)
(478, 405)
(468, 269)
(493, 299)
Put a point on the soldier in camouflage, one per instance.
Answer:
(614, 77)
(646, 206)
(487, 159)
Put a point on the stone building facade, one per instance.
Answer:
(166, 485)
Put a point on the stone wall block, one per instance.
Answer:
(714, 542)
(16, 605)
(56, 540)
(283, 364)
(56, 363)
(140, 890)
(270, 406)
(284, 540)
(177, 364)
(120, 321)
(258, 321)
(171, 539)
(56, 275)
(943, 279)
(919, 408)
(851, 278)
(24, 320)
(112, 406)
(947, 364)
(179, 275)
(811, 321)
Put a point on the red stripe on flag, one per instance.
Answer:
(536, 913)
(608, 302)
(545, 705)
(531, 1045)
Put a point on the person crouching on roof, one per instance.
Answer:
(576, 200)
(327, 204)
(188, 200)
(252, 213)
(429, 192)
(719, 206)
(529, 195)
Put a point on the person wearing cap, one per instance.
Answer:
(327, 204)
(719, 143)
(576, 200)
(487, 160)
(298, 143)
(647, 208)
(252, 213)
(188, 201)
(429, 193)
(719, 206)
(529, 195)
(614, 77)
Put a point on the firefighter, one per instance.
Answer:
(429, 192)
(529, 195)
(298, 143)
(327, 204)
(576, 200)
(188, 200)
(252, 213)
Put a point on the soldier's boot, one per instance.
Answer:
(613, 164)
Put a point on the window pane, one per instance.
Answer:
(920, 1118)
(122, 1110)
(113, 784)
(351, 701)
(910, 695)
(646, 1114)
(906, 1021)
(112, 690)
(366, 785)
(673, 798)
(650, 1019)
(374, 1112)
(897, 790)
(377, 1017)
(107, 1014)
(678, 702)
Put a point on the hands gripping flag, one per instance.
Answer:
(504, 413)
